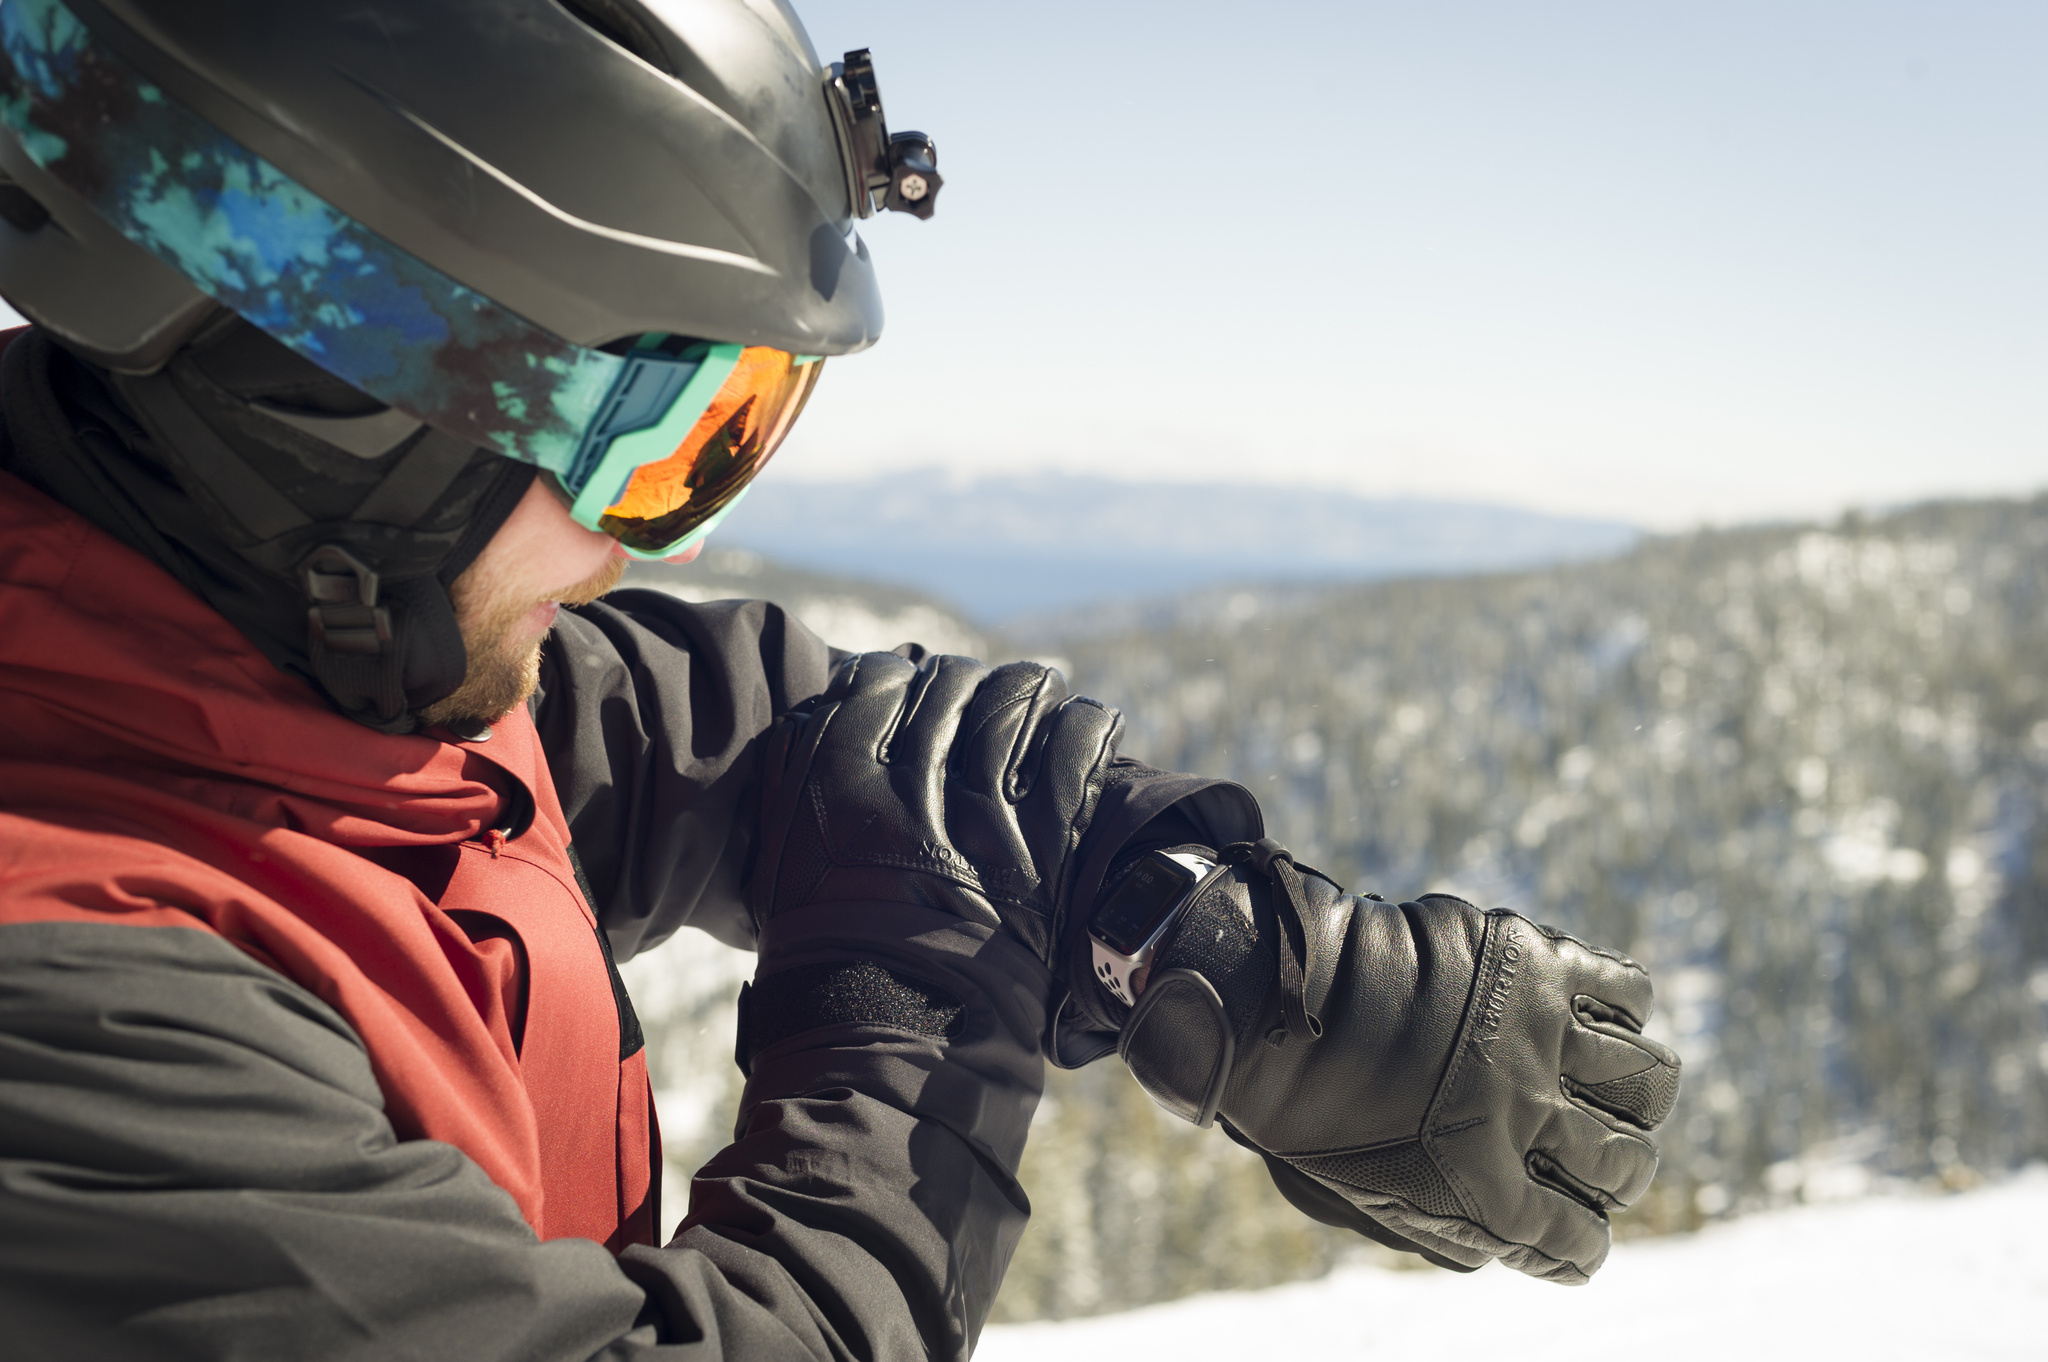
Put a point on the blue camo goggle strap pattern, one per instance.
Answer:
(371, 314)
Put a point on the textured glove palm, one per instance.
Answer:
(1464, 1083)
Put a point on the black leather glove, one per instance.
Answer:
(1465, 1084)
(947, 784)
(915, 825)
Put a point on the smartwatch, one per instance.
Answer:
(1127, 929)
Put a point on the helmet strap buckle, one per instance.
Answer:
(344, 616)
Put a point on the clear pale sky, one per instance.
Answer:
(1671, 262)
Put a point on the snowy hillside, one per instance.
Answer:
(1800, 773)
(1923, 1278)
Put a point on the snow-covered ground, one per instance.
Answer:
(1927, 1278)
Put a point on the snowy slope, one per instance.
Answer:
(1904, 1277)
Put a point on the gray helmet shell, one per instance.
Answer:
(631, 166)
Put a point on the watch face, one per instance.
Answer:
(1141, 903)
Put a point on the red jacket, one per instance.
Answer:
(156, 770)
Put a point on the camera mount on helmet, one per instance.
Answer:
(900, 172)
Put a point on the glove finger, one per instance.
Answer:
(1592, 1161)
(1558, 1224)
(1004, 718)
(1075, 743)
(1544, 1268)
(1055, 785)
(1627, 1076)
(867, 685)
(856, 715)
(851, 673)
(936, 702)
(1611, 977)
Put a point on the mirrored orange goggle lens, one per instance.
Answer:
(668, 500)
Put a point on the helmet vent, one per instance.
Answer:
(623, 25)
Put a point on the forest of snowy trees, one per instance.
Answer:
(1799, 772)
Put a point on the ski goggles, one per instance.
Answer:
(654, 445)
(689, 426)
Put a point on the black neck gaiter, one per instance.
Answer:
(76, 433)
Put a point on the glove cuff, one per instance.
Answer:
(877, 983)
(1178, 1044)
(790, 1002)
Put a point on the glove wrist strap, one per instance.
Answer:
(1179, 1045)
(1208, 990)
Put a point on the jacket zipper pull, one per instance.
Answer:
(495, 841)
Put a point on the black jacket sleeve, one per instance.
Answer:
(651, 711)
(195, 1163)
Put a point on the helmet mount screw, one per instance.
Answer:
(914, 179)
(898, 172)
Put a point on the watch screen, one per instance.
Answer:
(1134, 911)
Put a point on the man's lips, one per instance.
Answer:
(541, 617)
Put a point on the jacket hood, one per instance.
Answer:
(109, 666)
(198, 469)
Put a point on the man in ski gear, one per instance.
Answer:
(368, 341)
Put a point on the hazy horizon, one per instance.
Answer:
(1667, 264)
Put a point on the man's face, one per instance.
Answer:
(506, 602)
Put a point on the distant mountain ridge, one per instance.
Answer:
(1002, 548)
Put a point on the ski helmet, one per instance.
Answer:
(612, 239)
